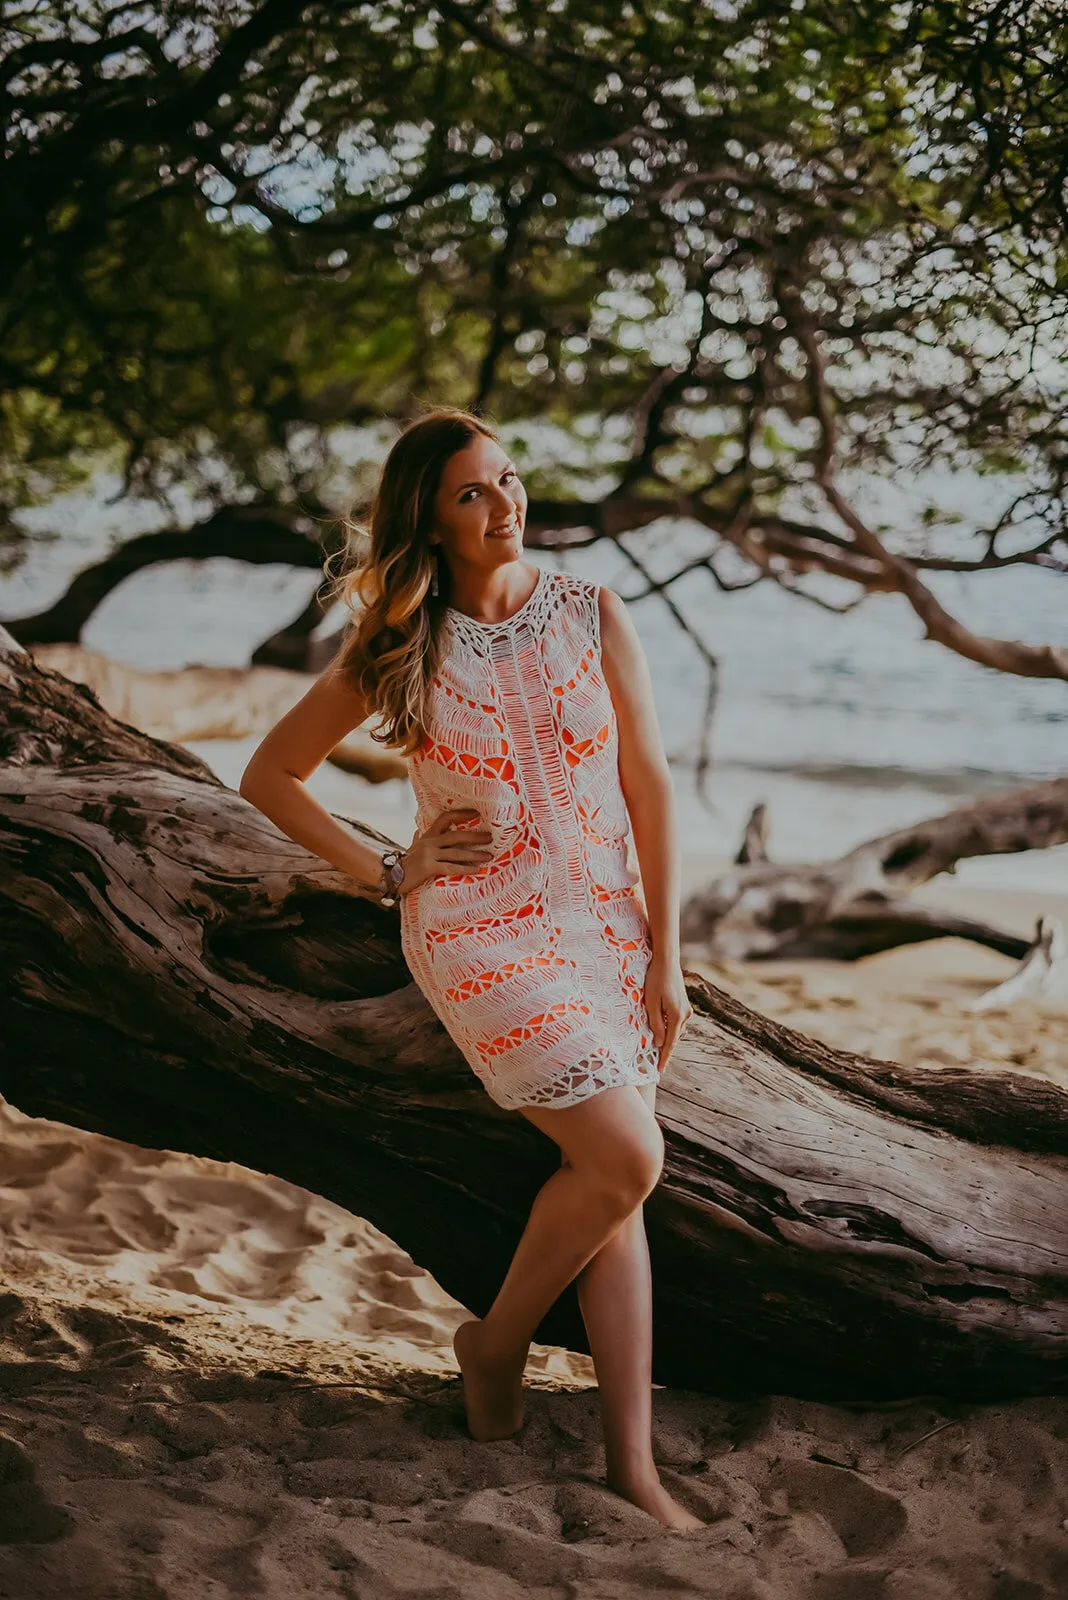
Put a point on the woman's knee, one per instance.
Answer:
(648, 1159)
(613, 1140)
(627, 1167)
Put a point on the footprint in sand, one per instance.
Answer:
(866, 1519)
(27, 1516)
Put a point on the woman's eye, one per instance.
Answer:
(508, 474)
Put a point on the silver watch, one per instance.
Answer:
(392, 876)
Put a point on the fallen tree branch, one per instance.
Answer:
(859, 905)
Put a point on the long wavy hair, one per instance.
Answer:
(390, 653)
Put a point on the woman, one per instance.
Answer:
(523, 701)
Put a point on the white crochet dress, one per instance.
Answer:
(534, 960)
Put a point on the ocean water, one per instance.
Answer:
(846, 726)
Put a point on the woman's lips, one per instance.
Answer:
(505, 533)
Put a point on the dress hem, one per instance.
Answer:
(581, 1081)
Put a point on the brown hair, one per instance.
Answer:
(391, 651)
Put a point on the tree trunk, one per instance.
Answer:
(859, 905)
(178, 974)
(293, 647)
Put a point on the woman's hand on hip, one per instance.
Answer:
(442, 847)
(667, 1004)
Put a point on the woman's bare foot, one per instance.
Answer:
(650, 1495)
(493, 1394)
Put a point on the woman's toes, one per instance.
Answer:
(649, 1494)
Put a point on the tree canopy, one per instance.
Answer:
(739, 255)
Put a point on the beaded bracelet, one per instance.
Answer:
(392, 877)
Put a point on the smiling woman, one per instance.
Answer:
(480, 529)
(524, 704)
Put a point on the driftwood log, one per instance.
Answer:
(859, 904)
(209, 703)
(179, 974)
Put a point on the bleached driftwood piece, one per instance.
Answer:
(209, 703)
(858, 905)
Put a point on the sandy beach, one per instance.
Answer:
(217, 1384)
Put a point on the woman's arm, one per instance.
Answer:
(650, 796)
(274, 780)
(643, 772)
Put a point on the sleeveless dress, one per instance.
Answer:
(534, 960)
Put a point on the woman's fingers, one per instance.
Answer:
(452, 845)
(447, 818)
(674, 1021)
(474, 841)
(449, 838)
(462, 850)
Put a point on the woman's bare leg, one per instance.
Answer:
(615, 1296)
(615, 1151)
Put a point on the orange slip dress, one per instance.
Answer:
(533, 960)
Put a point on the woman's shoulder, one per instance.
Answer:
(595, 608)
(569, 585)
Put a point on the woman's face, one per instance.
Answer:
(480, 508)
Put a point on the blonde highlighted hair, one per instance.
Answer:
(391, 651)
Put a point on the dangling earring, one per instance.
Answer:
(434, 576)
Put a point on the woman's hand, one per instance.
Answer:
(667, 1004)
(443, 848)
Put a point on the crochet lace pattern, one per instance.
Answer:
(535, 960)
